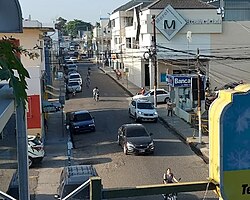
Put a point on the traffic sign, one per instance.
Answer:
(169, 22)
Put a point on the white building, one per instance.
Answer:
(101, 39)
(132, 33)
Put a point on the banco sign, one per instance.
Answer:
(183, 82)
(169, 22)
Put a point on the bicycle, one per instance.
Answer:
(96, 97)
(87, 82)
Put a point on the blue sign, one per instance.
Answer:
(178, 81)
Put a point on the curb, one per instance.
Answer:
(123, 87)
(193, 145)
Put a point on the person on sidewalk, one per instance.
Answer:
(170, 107)
(142, 91)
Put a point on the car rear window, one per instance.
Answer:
(74, 76)
(145, 106)
(70, 188)
(73, 83)
(82, 117)
(136, 132)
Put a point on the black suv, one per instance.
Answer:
(80, 121)
(134, 138)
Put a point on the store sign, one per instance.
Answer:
(178, 81)
(169, 22)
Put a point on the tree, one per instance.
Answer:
(61, 25)
(73, 27)
(9, 64)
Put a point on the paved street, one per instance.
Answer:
(101, 150)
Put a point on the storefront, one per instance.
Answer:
(182, 93)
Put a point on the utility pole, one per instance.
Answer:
(154, 60)
(199, 96)
(22, 153)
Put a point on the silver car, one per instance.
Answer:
(75, 77)
(74, 86)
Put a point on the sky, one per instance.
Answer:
(47, 11)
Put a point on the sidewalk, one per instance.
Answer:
(177, 125)
(55, 156)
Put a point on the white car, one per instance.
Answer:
(142, 110)
(161, 95)
(73, 59)
(75, 77)
(35, 149)
(73, 86)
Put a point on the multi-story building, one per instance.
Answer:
(182, 27)
(32, 39)
(230, 48)
(101, 40)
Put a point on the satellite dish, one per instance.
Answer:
(11, 17)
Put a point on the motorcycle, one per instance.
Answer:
(170, 196)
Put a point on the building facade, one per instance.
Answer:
(32, 39)
(182, 27)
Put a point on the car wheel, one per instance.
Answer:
(30, 162)
(125, 151)
(136, 119)
(166, 99)
(129, 113)
(156, 120)
(93, 130)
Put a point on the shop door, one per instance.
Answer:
(147, 77)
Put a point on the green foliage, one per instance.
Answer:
(73, 27)
(61, 25)
(9, 64)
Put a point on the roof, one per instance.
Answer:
(80, 112)
(134, 3)
(133, 125)
(180, 4)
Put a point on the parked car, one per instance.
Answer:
(142, 110)
(72, 177)
(51, 107)
(35, 150)
(67, 62)
(134, 138)
(80, 121)
(70, 67)
(74, 59)
(161, 94)
(75, 77)
(73, 86)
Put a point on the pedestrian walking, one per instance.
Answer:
(170, 107)
(87, 81)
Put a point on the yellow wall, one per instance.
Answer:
(28, 40)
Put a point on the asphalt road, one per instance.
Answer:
(101, 150)
(115, 168)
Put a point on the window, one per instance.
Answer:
(145, 106)
(135, 44)
(113, 23)
(128, 21)
(128, 42)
